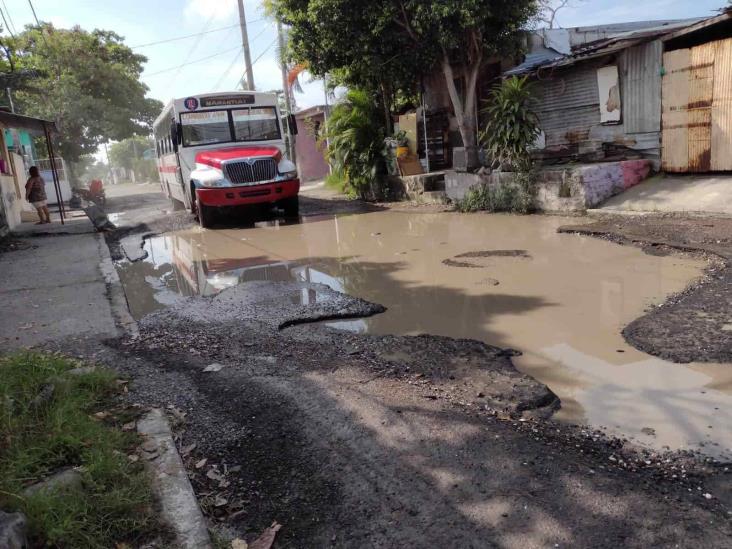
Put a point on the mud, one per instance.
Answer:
(276, 304)
(9, 244)
(694, 325)
(461, 370)
(354, 440)
(458, 260)
(559, 299)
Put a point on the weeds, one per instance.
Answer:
(46, 424)
(337, 183)
(514, 197)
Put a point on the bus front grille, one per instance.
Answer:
(250, 172)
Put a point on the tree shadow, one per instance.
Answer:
(380, 466)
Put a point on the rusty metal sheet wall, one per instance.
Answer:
(641, 87)
(701, 89)
(722, 108)
(697, 108)
(568, 105)
(675, 116)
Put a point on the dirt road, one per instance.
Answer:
(358, 440)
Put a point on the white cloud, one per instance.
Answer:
(220, 10)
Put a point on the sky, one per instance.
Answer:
(141, 22)
(213, 61)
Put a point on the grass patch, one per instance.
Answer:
(337, 183)
(516, 196)
(39, 436)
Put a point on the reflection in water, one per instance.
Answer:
(563, 301)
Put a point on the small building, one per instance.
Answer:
(13, 170)
(310, 151)
(601, 100)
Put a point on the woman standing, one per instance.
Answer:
(35, 193)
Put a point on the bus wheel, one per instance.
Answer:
(291, 206)
(205, 215)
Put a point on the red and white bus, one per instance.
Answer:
(225, 149)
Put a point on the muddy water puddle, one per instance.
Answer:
(509, 281)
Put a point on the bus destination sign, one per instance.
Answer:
(227, 101)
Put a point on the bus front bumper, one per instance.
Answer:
(254, 194)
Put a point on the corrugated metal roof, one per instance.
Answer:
(602, 47)
(29, 123)
(535, 59)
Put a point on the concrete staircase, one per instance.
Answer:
(426, 188)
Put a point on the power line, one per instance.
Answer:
(40, 28)
(7, 27)
(192, 62)
(233, 62)
(228, 69)
(10, 18)
(191, 50)
(259, 57)
(187, 36)
(265, 51)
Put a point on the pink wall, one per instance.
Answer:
(310, 160)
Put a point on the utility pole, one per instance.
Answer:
(286, 89)
(245, 45)
(326, 115)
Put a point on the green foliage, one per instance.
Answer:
(356, 144)
(128, 154)
(516, 196)
(87, 82)
(385, 47)
(114, 503)
(89, 168)
(396, 41)
(511, 127)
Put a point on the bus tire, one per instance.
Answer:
(291, 206)
(205, 215)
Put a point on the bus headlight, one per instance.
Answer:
(216, 183)
(287, 169)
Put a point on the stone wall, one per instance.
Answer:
(563, 189)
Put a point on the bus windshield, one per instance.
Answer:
(212, 127)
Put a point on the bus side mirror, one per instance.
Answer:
(292, 122)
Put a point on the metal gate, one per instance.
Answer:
(697, 108)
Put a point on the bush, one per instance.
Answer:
(514, 197)
(356, 144)
(512, 127)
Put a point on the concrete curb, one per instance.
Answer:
(178, 501)
(115, 290)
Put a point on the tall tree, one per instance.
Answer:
(86, 82)
(393, 42)
(130, 155)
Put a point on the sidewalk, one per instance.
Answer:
(60, 287)
(711, 194)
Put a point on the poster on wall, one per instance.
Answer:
(609, 89)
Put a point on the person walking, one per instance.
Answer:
(35, 193)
